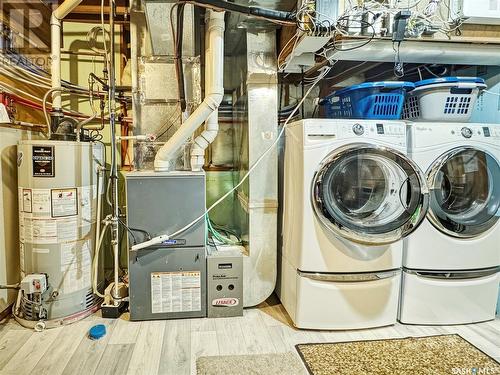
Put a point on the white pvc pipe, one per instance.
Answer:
(55, 53)
(213, 94)
(100, 172)
(55, 36)
(65, 8)
(211, 124)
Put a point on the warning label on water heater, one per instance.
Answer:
(175, 291)
(64, 202)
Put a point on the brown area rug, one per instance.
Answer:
(436, 355)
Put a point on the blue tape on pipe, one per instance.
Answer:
(97, 331)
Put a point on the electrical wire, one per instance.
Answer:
(145, 232)
(399, 70)
(430, 71)
(177, 45)
(254, 165)
(95, 261)
(128, 230)
(220, 237)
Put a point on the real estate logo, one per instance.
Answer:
(25, 31)
(474, 371)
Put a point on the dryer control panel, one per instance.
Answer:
(430, 134)
(468, 131)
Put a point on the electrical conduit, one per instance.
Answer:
(214, 70)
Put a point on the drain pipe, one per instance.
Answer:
(55, 54)
(214, 69)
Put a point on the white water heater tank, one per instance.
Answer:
(57, 183)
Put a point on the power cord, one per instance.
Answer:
(164, 237)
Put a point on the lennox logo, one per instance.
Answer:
(226, 302)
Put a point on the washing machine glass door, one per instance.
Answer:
(464, 192)
(369, 194)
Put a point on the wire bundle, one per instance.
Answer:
(313, 23)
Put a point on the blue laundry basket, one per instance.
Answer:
(370, 100)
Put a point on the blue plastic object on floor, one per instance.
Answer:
(368, 101)
(97, 331)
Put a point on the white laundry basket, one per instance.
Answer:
(449, 99)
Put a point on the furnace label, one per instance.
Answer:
(175, 292)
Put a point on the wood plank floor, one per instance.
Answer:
(171, 347)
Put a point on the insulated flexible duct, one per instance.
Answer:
(268, 14)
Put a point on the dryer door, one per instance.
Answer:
(464, 192)
(369, 194)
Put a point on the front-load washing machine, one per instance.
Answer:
(451, 262)
(350, 194)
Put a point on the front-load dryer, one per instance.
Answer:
(452, 260)
(350, 194)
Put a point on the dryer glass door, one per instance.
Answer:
(464, 192)
(369, 194)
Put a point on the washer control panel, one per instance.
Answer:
(322, 131)
(358, 129)
(379, 129)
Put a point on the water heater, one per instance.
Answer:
(58, 191)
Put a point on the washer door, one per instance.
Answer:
(464, 190)
(369, 194)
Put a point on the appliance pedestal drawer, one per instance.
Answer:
(347, 301)
(448, 298)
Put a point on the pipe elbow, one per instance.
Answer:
(214, 99)
(197, 162)
(65, 8)
(203, 141)
(161, 165)
(54, 21)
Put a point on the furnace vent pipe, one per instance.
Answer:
(211, 124)
(55, 37)
(214, 68)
